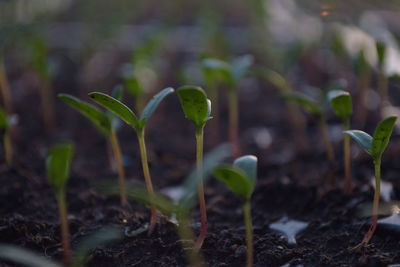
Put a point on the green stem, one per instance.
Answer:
(348, 185)
(147, 178)
(375, 204)
(234, 121)
(200, 188)
(120, 168)
(249, 232)
(64, 226)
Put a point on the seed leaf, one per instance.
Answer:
(98, 118)
(58, 164)
(115, 106)
(241, 66)
(215, 70)
(248, 164)
(305, 102)
(195, 105)
(235, 179)
(24, 257)
(382, 135)
(341, 103)
(362, 138)
(153, 104)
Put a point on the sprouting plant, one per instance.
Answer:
(197, 109)
(314, 108)
(341, 103)
(180, 207)
(107, 124)
(374, 146)
(241, 179)
(232, 74)
(39, 63)
(138, 124)
(5, 125)
(58, 168)
(80, 255)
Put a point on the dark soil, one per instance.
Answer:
(291, 183)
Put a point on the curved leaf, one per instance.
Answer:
(24, 257)
(58, 164)
(115, 106)
(382, 136)
(341, 103)
(153, 104)
(216, 70)
(98, 118)
(362, 138)
(195, 105)
(305, 102)
(241, 66)
(248, 164)
(235, 179)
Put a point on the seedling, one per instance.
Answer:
(341, 103)
(232, 74)
(58, 168)
(5, 126)
(197, 109)
(314, 108)
(138, 124)
(374, 146)
(107, 124)
(241, 179)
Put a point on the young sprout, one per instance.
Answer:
(341, 103)
(107, 124)
(58, 168)
(5, 126)
(197, 109)
(241, 179)
(138, 124)
(315, 109)
(232, 74)
(374, 146)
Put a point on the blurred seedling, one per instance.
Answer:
(241, 178)
(80, 257)
(58, 166)
(375, 146)
(181, 206)
(315, 109)
(6, 123)
(197, 109)
(5, 88)
(231, 75)
(342, 105)
(107, 124)
(138, 124)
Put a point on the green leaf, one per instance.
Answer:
(3, 120)
(215, 71)
(118, 92)
(305, 102)
(382, 136)
(98, 118)
(248, 164)
(362, 138)
(195, 105)
(115, 106)
(24, 257)
(241, 66)
(99, 238)
(215, 64)
(341, 103)
(235, 179)
(153, 104)
(58, 164)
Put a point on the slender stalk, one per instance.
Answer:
(147, 178)
(234, 122)
(8, 151)
(120, 168)
(375, 204)
(348, 185)
(249, 233)
(64, 226)
(200, 188)
(5, 89)
(325, 136)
